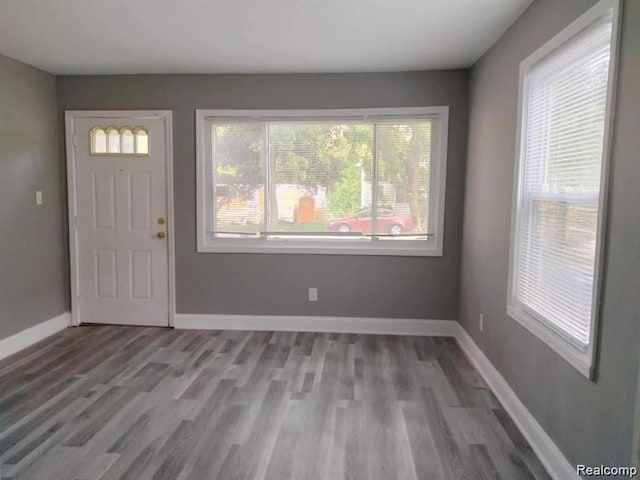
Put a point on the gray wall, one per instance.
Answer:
(32, 246)
(405, 287)
(590, 421)
(635, 453)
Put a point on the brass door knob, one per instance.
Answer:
(161, 235)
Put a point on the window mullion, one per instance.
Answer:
(267, 180)
(374, 185)
(212, 177)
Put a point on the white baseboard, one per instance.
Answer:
(26, 338)
(284, 323)
(548, 452)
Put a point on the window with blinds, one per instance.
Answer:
(359, 180)
(560, 190)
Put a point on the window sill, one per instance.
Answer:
(409, 249)
(581, 361)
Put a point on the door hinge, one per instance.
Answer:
(74, 140)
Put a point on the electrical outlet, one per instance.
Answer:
(481, 322)
(313, 294)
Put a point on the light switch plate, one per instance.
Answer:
(38, 197)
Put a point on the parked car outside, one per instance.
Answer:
(388, 222)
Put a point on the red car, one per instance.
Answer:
(388, 221)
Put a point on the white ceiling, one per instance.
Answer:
(251, 36)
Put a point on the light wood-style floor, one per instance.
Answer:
(148, 403)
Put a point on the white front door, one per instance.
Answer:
(121, 225)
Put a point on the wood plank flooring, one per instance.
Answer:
(148, 403)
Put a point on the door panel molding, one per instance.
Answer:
(71, 137)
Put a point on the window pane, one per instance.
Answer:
(560, 189)
(404, 172)
(142, 142)
(127, 141)
(320, 177)
(113, 141)
(238, 159)
(557, 269)
(99, 141)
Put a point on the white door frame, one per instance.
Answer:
(70, 137)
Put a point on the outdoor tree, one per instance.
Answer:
(404, 154)
(238, 158)
(317, 156)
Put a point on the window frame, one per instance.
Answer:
(581, 359)
(206, 243)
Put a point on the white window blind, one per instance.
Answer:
(560, 186)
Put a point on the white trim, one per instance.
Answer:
(294, 323)
(201, 178)
(171, 240)
(583, 361)
(72, 206)
(32, 335)
(344, 248)
(70, 136)
(430, 247)
(545, 448)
